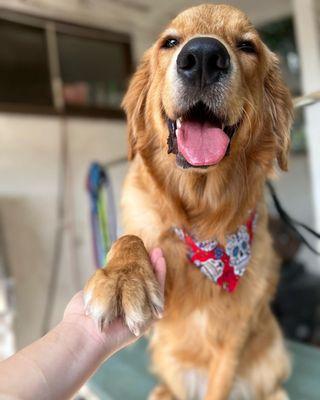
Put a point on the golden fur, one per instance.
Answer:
(210, 344)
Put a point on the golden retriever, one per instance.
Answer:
(209, 118)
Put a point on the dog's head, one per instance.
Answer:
(209, 92)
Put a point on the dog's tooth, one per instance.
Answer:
(178, 131)
(178, 123)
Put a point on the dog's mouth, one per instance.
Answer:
(199, 138)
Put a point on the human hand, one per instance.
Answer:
(58, 364)
(116, 335)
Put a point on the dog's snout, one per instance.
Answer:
(203, 61)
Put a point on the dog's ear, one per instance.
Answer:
(279, 110)
(134, 103)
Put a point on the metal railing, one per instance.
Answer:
(307, 100)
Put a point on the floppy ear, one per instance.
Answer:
(279, 110)
(134, 103)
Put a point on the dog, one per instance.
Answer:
(208, 122)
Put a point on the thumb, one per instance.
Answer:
(159, 266)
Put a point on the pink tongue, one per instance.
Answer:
(202, 144)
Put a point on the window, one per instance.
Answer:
(91, 67)
(24, 70)
(93, 72)
(280, 37)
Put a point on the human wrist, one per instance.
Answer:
(69, 353)
(56, 365)
(83, 335)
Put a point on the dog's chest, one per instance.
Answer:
(195, 382)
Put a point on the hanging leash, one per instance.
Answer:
(103, 212)
(292, 223)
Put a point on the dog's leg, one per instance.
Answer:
(126, 288)
(224, 366)
(265, 364)
(222, 374)
(263, 369)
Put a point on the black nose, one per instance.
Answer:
(203, 61)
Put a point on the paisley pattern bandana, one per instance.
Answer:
(223, 265)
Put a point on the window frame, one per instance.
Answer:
(55, 26)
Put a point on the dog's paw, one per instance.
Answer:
(126, 288)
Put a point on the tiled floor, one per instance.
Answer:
(126, 375)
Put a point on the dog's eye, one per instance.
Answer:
(247, 46)
(169, 43)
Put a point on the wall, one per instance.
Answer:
(29, 154)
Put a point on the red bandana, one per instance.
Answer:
(223, 265)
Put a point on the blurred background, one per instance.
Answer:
(64, 67)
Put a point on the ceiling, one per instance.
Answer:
(144, 19)
(148, 12)
(258, 10)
